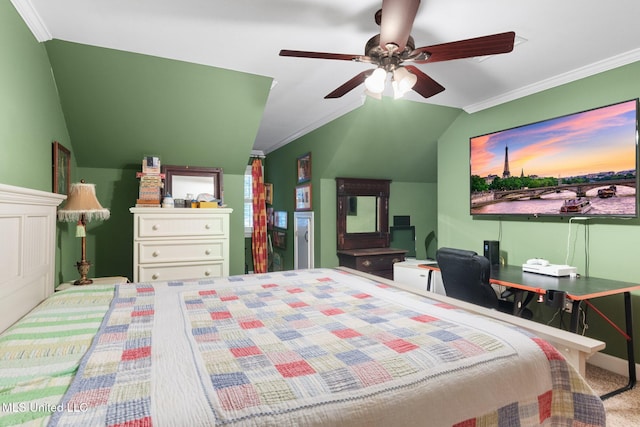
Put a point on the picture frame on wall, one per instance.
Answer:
(280, 239)
(268, 193)
(304, 168)
(303, 197)
(61, 169)
(280, 219)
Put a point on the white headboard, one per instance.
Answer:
(27, 249)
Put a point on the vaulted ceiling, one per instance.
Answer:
(558, 41)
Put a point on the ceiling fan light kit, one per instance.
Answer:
(403, 82)
(394, 46)
(376, 81)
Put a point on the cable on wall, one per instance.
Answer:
(586, 249)
(575, 218)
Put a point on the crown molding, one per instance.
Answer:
(577, 74)
(348, 107)
(33, 20)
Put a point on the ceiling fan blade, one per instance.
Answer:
(397, 20)
(349, 85)
(319, 55)
(479, 46)
(425, 85)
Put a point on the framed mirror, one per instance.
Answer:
(363, 213)
(183, 180)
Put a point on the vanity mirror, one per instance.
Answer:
(183, 180)
(363, 213)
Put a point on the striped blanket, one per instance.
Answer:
(317, 347)
(40, 355)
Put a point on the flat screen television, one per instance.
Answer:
(581, 164)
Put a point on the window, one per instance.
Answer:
(248, 202)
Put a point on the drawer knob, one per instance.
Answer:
(207, 252)
(366, 263)
(155, 276)
(393, 261)
(207, 273)
(155, 253)
(155, 227)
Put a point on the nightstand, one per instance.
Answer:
(96, 281)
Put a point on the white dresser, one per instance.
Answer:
(180, 243)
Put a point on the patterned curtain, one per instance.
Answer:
(259, 235)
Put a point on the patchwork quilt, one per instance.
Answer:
(315, 347)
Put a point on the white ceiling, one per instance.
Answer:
(565, 40)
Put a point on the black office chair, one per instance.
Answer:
(465, 276)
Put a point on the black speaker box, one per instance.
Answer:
(401, 220)
(492, 251)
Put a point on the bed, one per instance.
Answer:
(320, 347)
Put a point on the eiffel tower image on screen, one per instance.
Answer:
(505, 172)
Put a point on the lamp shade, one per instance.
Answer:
(375, 82)
(81, 202)
(403, 82)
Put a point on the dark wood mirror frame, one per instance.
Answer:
(349, 187)
(171, 171)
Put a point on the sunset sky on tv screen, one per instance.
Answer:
(589, 142)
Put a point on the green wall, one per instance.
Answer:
(419, 200)
(388, 139)
(121, 106)
(31, 117)
(612, 244)
(110, 108)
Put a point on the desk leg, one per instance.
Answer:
(630, 352)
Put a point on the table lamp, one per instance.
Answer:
(82, 206)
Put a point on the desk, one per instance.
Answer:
(576, 290)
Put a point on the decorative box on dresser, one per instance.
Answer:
(180, 243)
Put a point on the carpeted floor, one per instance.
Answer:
(623, 410)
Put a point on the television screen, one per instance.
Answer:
(582, 164)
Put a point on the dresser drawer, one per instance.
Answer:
(370, 263)
(149, 226)
(176, 251)
(377, 262)
(149, 273)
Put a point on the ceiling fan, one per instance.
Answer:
(394, 46)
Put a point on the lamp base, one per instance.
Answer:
(83, 268)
